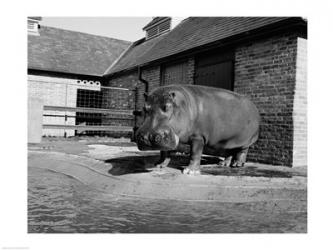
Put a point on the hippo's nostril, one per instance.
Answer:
(151, 137)
(158, 138)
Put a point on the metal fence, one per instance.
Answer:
(84, 107)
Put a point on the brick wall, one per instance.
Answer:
(300, 106)
(130, 80)
(265, 71)
(114, 100)
(153, 76)
(190, 70)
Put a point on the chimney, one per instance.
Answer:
(33, 25)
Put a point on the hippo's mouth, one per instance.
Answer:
(164, 141)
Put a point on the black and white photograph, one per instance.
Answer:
(166, 125)
(162, 124)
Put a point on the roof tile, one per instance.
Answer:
(191, 33)
(72, 52)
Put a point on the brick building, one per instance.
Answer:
(260, 57)
(64, 66)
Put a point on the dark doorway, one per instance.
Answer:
(215, 69)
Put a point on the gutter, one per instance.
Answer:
(36, 70)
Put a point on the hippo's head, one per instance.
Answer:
(160, 129)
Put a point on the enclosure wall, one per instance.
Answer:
(272, 72)
(265, 71)
(300, 106)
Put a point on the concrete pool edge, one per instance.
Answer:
(288, 194)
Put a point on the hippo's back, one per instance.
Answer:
(224, 116)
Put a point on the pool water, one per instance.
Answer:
(60, 204)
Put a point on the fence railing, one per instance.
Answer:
(83, 126)
(72, 108)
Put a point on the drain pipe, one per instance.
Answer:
(143, 81)
(136, 112)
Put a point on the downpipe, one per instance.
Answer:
(136, 112)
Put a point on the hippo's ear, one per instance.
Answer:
(174, 97)
(177, 98)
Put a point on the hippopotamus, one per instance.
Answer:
(210, 120)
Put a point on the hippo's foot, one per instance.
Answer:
(226, 162)
(162, 164)
(240, 158)
(163, 161)
(191, 171)
(237, 164)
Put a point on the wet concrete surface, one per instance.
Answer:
(209, 166)
(131, 160)
(116, 181)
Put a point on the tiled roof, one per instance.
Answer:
(72, 52)
(134, 55)
(191, 33)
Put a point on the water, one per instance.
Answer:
(60, 204)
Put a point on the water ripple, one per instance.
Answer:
(59, 204)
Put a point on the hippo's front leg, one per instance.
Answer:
(164, 159)
(197, 146)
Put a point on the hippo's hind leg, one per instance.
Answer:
(164, 159)
(240, 157)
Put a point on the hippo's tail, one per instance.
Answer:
(255, 137)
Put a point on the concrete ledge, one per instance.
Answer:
(287, 194)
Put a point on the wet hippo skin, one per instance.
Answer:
(210, 120)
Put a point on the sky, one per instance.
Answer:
(124, 28)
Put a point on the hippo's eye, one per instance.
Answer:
(166, 107)
(146, 108)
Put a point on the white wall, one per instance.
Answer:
(55, 91)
